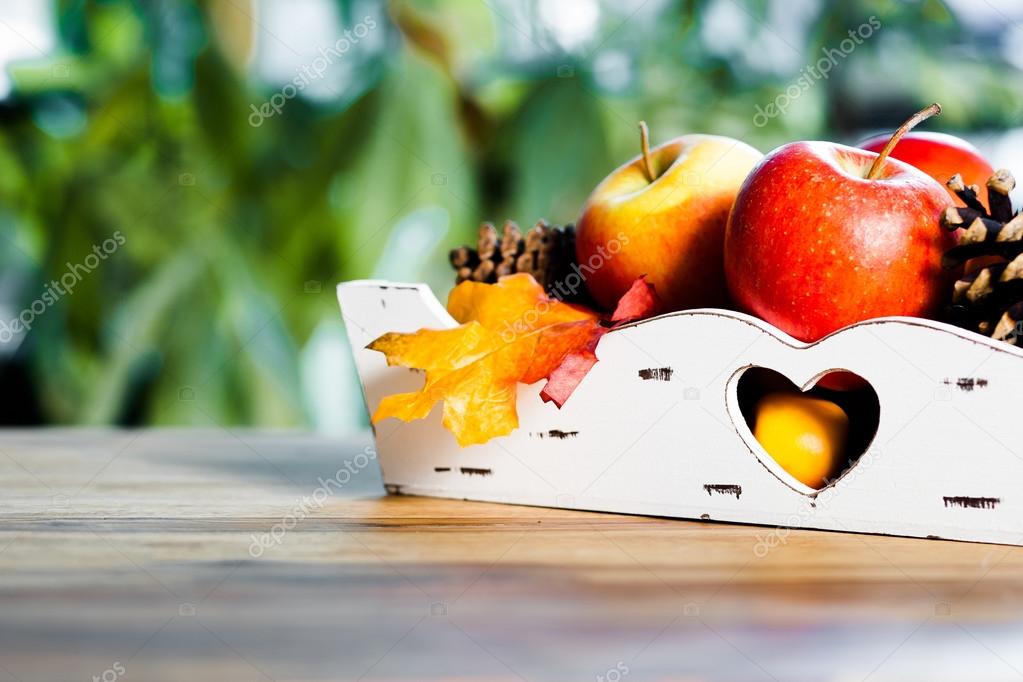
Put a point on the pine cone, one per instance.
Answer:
(989, 298)
(546, 252)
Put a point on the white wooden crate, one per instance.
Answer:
(637, 438)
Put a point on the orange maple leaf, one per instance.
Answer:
(511, 332)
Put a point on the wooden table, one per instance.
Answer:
(222, 555)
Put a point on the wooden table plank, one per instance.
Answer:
(141, 549)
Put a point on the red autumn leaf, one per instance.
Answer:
(639, 302)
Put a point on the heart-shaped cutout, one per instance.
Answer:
(808, 437)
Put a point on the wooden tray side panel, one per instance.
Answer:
(655, 427)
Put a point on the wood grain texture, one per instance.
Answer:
(136, 549)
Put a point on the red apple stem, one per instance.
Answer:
(644, 143)
(922, 115)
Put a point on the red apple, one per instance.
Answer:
(663, 215)
(822, 236)
(941, 156)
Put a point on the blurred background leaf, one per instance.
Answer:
(250, 154)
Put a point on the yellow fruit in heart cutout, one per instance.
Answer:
(804, 434)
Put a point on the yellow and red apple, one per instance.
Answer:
(664, 212)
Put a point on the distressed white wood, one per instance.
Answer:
(949, 425)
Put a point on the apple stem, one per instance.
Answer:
(922, 115)
(644, 142)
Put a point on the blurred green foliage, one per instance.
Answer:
(141, 122)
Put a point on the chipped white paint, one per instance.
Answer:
(946, 461)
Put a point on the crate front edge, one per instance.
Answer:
(942, 463)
